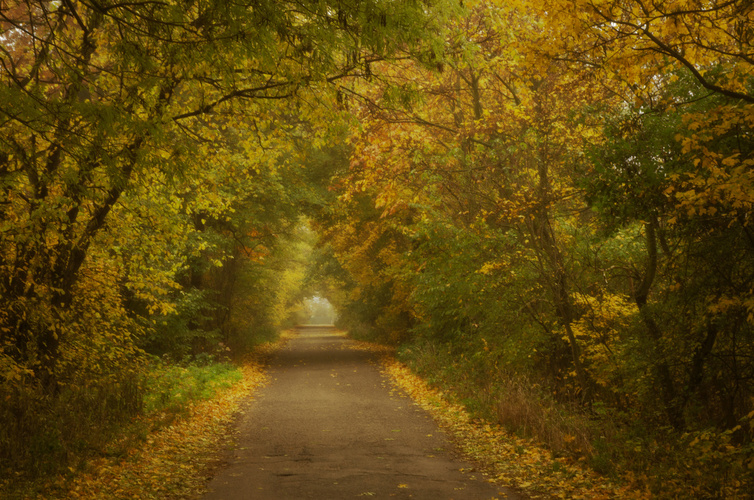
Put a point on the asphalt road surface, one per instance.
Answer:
(328, 426)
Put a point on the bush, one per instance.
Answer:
(43, 435)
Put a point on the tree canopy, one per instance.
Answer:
(557, 192)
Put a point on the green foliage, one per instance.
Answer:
(181, 333)
(169, 388)
(628, 173)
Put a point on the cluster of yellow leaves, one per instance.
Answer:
(721, 185)
(510, 460)
(598, 329)
(359, 345)
(630, 41)
(175, 461)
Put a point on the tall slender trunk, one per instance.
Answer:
(673, 406)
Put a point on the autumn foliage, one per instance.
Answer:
(152, 183)
(547, 204)
(561, 199)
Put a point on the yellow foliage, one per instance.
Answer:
(598, 329)
(508, 459)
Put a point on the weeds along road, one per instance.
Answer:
(327, 426)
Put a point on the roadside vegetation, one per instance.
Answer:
(547, 205)
(169, 450)
(94, 458)
(527, 438)
(551, 219)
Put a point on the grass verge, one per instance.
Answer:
(169, 451)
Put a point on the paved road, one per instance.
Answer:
(328, 427)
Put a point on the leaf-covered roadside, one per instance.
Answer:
(508, 459)
(552, 216)
(174, 461)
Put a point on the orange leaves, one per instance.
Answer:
(474, 138)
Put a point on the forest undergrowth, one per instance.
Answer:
(523, 438)
(168, 452)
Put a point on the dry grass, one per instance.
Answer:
(524, 409)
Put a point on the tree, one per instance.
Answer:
(97, 94)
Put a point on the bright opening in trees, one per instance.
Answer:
(319, 311)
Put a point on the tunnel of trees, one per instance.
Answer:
(544, 204)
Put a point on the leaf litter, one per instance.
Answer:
(507, 460)
(176, 461)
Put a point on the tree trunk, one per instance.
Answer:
(673, 407)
